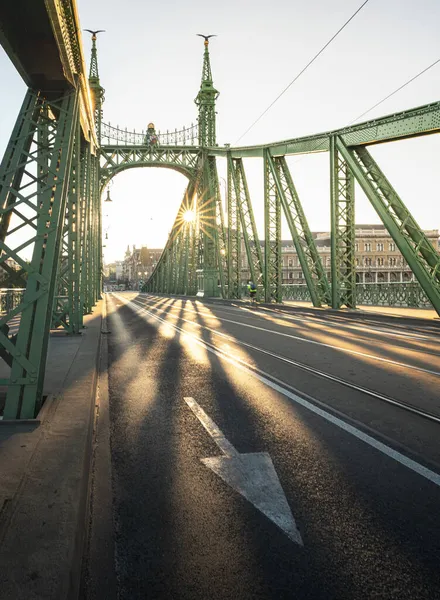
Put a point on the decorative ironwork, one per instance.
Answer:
(188, 136)
(408, 294)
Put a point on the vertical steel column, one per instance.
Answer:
(84, 227)
(421, 256)
(221, 246)
(272, 242)
(209, 247)
(234, 234)
(342, 230)
(67, 310)
(29, 355)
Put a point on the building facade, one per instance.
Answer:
(378, 260)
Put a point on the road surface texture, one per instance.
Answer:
(247, 453)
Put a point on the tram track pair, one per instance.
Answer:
(306, 368)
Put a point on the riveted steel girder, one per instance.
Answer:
(307, 252)
(248, 227)
(423, 120)
(221, 246)
(234, 235)
(67, 310)
(115, 159)
(272, 242)
(417, 250)
(342, 229)
(34, 187)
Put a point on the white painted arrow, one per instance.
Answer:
(252, 475)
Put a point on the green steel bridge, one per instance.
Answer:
(61, 157)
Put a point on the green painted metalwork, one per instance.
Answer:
(205, 101)
(24, 163)
(342, 215)
(272, 229)
(248, 227)
(419, 253)
(221, 243)
(97, 91)
(423, 120)
(115, 159)
(56, 166)
(409, 294)
(307, 252)
(67, 310)
(114, 136)
(234, 235)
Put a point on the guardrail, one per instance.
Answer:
(408, 294)
(110, 136)
(10, 298)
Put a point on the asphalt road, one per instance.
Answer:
(237, 471)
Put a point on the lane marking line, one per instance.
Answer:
(357, 433)
(307, 341)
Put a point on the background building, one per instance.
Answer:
(378, 260)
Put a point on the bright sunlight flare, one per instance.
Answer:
(189, 216)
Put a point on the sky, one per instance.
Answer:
(150, 64)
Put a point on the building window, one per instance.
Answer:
(392, 246)
(379, 247)
(392, 261)
(356, 247)
(357, 262)
(367, 262)
(290, 275)
(368, 247)
(290, 262)
(380, 261)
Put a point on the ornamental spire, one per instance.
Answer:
(95, 87)
(206, 100)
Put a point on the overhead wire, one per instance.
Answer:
(384, 99)
(303, 70)
(395, 91)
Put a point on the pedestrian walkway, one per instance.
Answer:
(44, 473)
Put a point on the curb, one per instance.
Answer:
(42, 548)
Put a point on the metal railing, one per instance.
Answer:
(110, 136)
(408, 294)
(10, 298)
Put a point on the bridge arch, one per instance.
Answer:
(115, 159)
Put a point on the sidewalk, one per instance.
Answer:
(44, 474)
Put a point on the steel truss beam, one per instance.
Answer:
(234, 235)
(214, 188)
(423, 120)
(242, 200)
(307, 252)
(419, 253)
(342, 216)
(34, 187)
(210, 260)
(67, 310)
(115, 159)
(272, 229)
(175, 272)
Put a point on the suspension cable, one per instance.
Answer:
(395, 91)
(303, 70)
